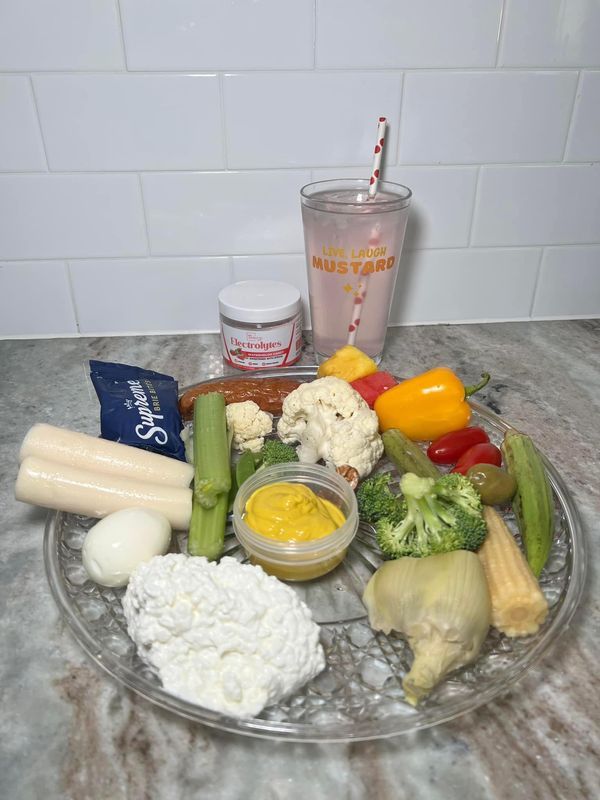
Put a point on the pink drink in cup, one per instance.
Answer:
(353, 245)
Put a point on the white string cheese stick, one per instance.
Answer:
(100, 455)
(94, 494)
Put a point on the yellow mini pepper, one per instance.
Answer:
(428, 405)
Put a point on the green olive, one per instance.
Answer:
(494, 485)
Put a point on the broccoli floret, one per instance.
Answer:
(459, 490)
(438, 517)
(376, 500)
(472, 529)
(275, 451)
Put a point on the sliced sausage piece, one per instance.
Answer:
(268, 393)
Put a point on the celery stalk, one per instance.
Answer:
(212, 475)
(232, 491)
(245, 468)
(207, 528)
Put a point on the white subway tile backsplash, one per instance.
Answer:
(308, 119)
(62, 216)
(62, 34)
(204, 34)
(404, 33)
(569, 283)
(287, 268)
(584, 138)
(440, 208)
(129, 122)
(226, 213)
(155, 294)
(562, 33)
(21, 147)
(159, 147)
(468, 117)
(35, 299)
(464, 285)
(537, 205)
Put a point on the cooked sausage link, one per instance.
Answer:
(268, 393)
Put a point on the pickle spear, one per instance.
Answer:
(407, 456)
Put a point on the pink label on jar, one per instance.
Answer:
(276, 346)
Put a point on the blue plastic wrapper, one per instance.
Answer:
(138, 407)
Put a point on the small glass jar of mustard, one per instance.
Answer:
(309, 554)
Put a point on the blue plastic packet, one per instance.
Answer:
(138, 407)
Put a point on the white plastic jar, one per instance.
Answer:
(261, 324)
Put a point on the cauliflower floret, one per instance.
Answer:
(248, 424)
(332, 422)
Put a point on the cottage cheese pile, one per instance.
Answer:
(226, 636)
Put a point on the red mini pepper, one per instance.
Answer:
(371, 386)
(450, 447)
(478, 454)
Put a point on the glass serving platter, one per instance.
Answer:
(359, 694)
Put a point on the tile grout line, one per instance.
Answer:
(572, 115)
(501, 28)
(474, 207)
(221, 84)
(198, 257)
(141, 187)
(72, 295)
(315, 15)
(205, 332)
(536, 285)
(122, 32)
(399, 133)
(39, 122)
(295, 169)
(351, 69)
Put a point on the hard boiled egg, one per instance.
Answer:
(116, 545)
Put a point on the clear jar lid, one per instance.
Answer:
(259, 301)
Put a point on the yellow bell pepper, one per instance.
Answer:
(428, 405)
(348, 363)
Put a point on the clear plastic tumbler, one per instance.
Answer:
(353, 246)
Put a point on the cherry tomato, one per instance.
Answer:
(478, 454)
(450, 447)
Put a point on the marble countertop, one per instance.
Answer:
(69, 732)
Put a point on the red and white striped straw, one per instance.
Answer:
(360, 296)
(377, 153)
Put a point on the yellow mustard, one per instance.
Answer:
(291, 512)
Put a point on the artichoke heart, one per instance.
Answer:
(441, 605)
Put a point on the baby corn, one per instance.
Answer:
(518, 605)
